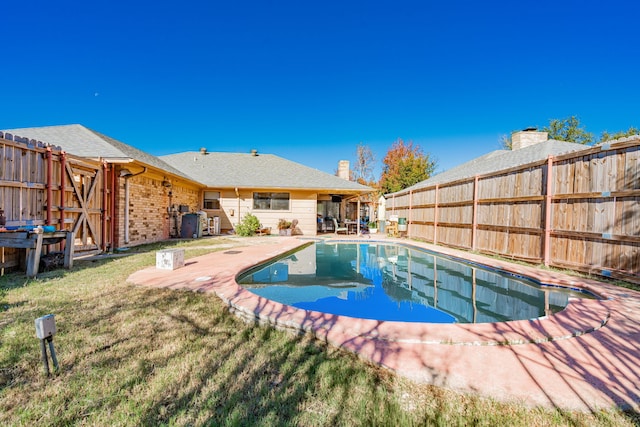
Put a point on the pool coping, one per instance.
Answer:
(582, 358)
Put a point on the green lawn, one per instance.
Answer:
(135, 356)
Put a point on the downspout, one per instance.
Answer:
(126, 210)
(126, 203)
(238, 197)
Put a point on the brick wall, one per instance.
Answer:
(149, 200)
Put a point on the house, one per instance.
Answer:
(267, 186)
(148, 195)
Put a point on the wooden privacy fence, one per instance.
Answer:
(42, 185)
(579, 210)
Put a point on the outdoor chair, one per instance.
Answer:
(337, 229)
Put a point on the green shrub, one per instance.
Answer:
(248, 226)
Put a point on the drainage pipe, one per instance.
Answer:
(238, 197)
(112, 208)
(126, 176)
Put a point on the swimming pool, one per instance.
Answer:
(394, 282)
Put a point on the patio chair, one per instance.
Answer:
(337, 229)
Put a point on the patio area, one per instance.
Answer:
(583, 358)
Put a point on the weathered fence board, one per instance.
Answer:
(592, 200)
(38, 190)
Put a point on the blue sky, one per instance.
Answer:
(308, 81)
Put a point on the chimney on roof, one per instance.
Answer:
(343, 169)
(527, 137)
(203, 151)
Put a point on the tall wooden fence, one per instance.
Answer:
(42, 185)
(579, 211)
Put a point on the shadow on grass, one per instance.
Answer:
(159, 356)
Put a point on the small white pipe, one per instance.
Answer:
(126, 203)
(126, 210)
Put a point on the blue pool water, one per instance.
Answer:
(400, 283)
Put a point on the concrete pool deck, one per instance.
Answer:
(583, 358)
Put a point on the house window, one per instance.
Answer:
(271, 201)
(211, 200)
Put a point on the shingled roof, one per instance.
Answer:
(84, 142)
(500, 160)
(219, 170)
(253, 170)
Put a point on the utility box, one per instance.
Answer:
(191, 226)
(45, 326)
(170, 259)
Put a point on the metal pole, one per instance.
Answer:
(45, 361)
(53, 353)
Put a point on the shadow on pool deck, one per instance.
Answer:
(583, 358)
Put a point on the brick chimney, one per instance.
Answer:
(343, 169)
(527, 137)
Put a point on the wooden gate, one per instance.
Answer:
(81, 207)
(42, 185)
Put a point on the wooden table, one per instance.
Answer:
(32, 241)
(352, 226)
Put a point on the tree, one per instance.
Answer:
(606, 136)
(505, 142)
(569, 130)
(363, 170)
(405, 165)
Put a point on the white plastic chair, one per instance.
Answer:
(339, 229)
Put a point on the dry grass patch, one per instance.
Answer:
(137, 356)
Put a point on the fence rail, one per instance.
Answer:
(42, 185)
(578, 210)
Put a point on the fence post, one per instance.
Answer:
(409, 216)
(435, 218)
(547, 212)
(103, 234)
(474, 225)
(49, 185)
